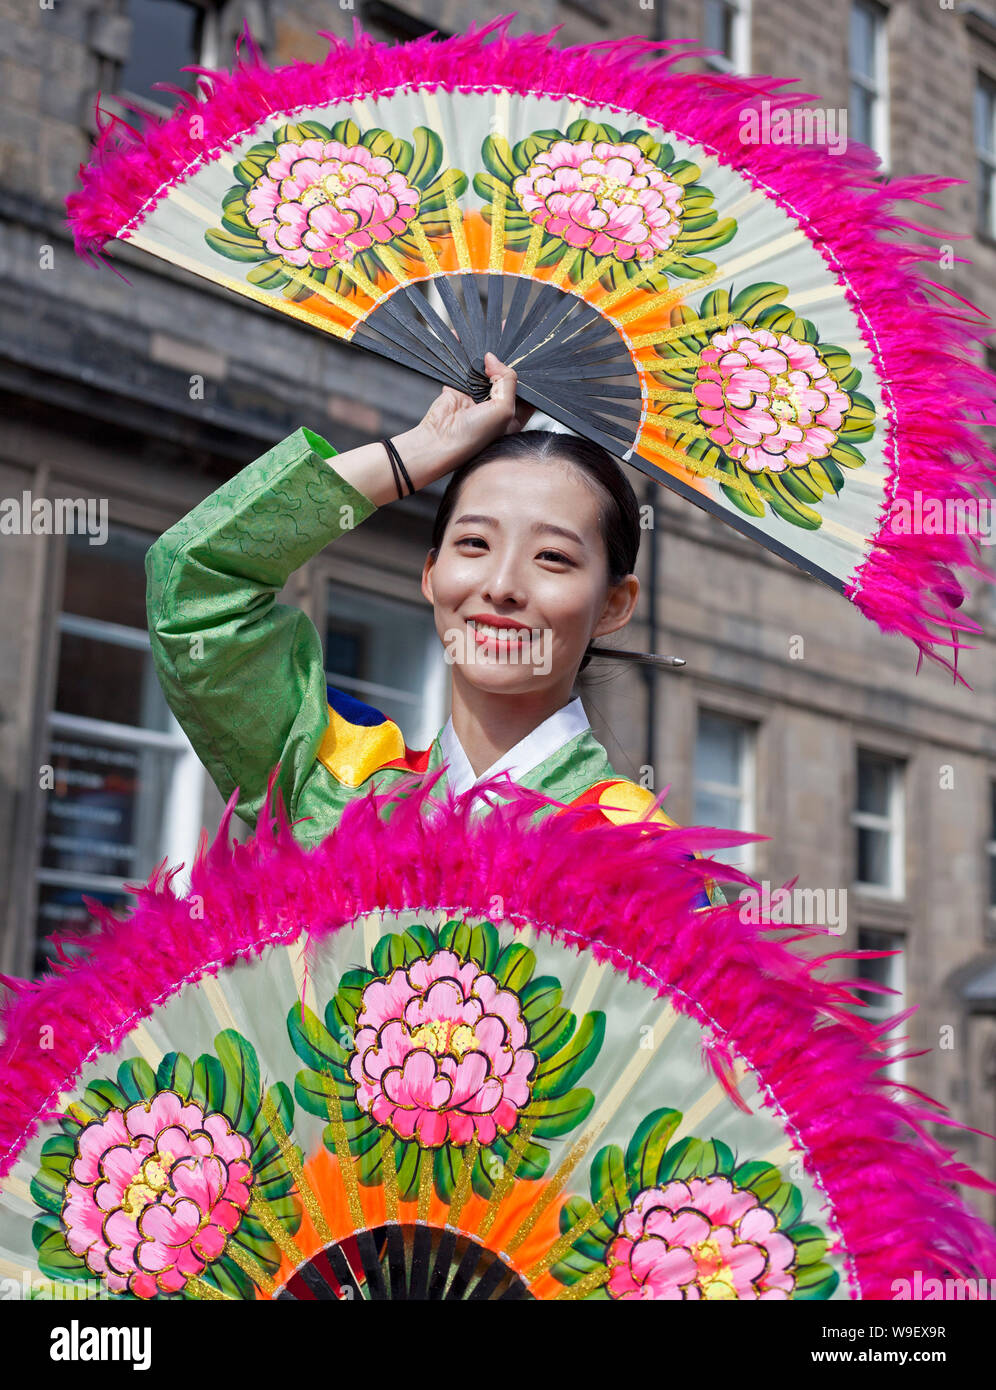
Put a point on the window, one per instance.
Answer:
(985, 154)
(724, 779)
(166, 36)
(125, 789)
(868, 108)
(392, 22)
(878, 825)
(887, 971)
(726, 27)
(385, 651)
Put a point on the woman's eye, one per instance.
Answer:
(556, 556)
(473, 540)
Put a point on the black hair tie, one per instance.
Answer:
(398, 468)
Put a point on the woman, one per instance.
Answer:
(532, 558)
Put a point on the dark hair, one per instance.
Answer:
(619, 521)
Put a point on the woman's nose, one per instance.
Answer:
(503, 583)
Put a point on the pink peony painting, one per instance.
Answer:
(441, 1053)
(154, 1193)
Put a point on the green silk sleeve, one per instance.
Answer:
(243, 674)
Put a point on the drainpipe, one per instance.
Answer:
(650, 671)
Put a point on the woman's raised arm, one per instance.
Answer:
(243, 674)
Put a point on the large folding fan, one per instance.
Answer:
(447, 1056)
(674, 265)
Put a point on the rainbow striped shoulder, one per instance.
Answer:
(360, 741)
(622, 802)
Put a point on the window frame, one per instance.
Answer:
(878, 84)
(740, 44)
(182, 817)
(985, 156)
(208, 55)
(881, 1006)
(746, 794)
(893, 820)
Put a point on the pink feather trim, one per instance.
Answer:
(888, 1181)
(935, 393)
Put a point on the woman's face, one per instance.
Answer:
(520, 583)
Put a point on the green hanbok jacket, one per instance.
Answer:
(245, 675)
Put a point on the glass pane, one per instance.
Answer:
(985, 117)
(385, 652)
(108, 581)
(992, 880)
(722, 811)
(859, 115)
(719, 26)
(102, 680)
(63, 910)
(874, 784)
(97, 813)
(164, 39)
(873, 857)
(719, 750)
(986, 180)
(862, 40)
(885, 970)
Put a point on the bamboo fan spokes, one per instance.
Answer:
(567, 356)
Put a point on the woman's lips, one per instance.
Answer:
(505, 634)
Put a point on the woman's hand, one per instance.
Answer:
(456, 427)
(452, 430)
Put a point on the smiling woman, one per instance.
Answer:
(532, 558)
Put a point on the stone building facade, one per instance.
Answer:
(793, 716)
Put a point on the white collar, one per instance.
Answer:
(528, 753)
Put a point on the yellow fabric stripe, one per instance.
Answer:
(352, 752)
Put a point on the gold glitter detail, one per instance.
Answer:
(425, 247)
(699, 467)
(275, 1228)
(532, 250)
(359, 278)
(462, 1189)
(200, 1289)
(322, 291)
(393, 263)
(390, 1178)
(497, 257)
(560, 1249)
(425, 1162)
(456, 222)
(560, 274)
(584, 1286)
(661, 393)
(596, 270)
(249, 1266)
(504, 1184)
(662, 259)
(340, 1139)
(243, 287)
(683, 330)
(289, 1154)
(564, 1170)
